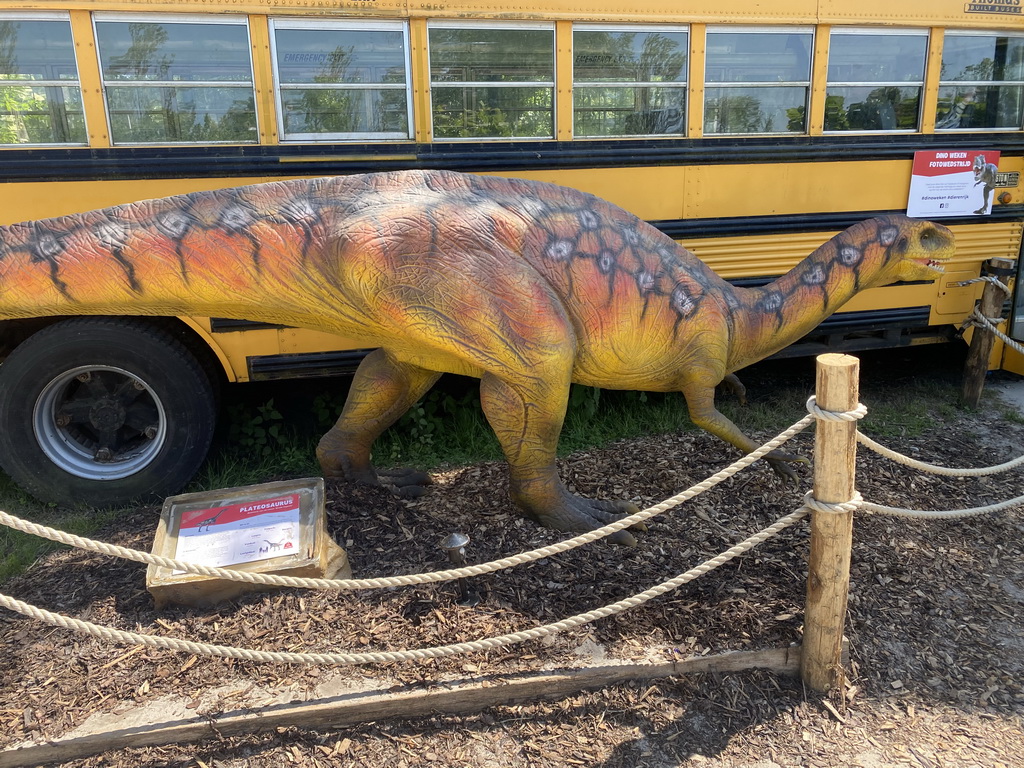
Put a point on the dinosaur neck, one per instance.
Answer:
(776, 315)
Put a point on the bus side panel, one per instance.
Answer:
(29, 201)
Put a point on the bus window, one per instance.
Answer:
(40, 98)
(758, 80)
(875, 80)
(177, 79)
(629, 81)
(341, 80)
(981, 81)
(492, 81)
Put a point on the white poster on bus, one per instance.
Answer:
(952, 183)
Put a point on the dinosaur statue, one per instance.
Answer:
(526, 285)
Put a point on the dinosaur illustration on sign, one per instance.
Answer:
(526, 285)
(212, 520)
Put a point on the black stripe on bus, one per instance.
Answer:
(869, 329)
(748, 226)
(231, 325)
(305, 365)
(218, 161)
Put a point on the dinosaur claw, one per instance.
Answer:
(733, 383)
(403, 477)
(623, 539)
(407, 491)
(780, 462)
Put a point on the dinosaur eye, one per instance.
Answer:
(930, 240)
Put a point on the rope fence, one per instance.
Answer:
(479, 569)
(203, 649)
(822, 511)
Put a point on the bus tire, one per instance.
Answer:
(103, 411)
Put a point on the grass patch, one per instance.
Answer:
(1012, 415)
(912, 409)
(19, 550)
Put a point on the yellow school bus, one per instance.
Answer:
(750, 132)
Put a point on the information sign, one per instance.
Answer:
(239, 533)
(952, 183)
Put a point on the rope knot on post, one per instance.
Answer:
(843, 507)
(818, 412)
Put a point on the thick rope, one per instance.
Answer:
(988, 279)
(985, 322)
(114, 550)
(935, 469)
(204, 649)
(951, 514)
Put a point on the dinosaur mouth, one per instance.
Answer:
(932, 264)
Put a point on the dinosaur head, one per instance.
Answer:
(915, 250)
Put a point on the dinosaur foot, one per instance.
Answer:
(780, 462)
(576, 513)
(404, 482)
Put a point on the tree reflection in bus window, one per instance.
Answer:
(40, 98)
(492, 82)
(875, 80)
(177, 81)
(341, 81)
(629, 81)
(982, 82)
(757, 80)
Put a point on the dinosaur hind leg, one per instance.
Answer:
(527, 424)
(382, 390)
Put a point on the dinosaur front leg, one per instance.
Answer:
(700, 400)
(527, 419)
(382, 390)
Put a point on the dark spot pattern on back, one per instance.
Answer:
(772, 303)
(616, 249)
(113, 235)
(46, 247)
(304, 213)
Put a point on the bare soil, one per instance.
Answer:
(936, 625)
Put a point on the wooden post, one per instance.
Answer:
(828, 579)
(983, 339)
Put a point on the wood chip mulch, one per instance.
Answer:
(936, 625)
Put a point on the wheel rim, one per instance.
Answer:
(99, 422)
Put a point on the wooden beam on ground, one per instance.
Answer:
(449, 698)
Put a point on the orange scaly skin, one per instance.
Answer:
(526, 285)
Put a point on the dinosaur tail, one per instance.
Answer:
(249, 252)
